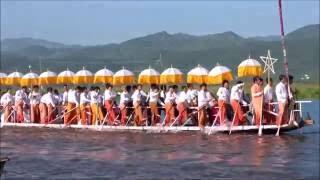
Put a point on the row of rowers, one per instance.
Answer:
(83, 106)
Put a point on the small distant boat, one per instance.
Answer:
(3, 161)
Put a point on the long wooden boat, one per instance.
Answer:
(267, 129)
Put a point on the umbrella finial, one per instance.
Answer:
(83, 68)
(249, 56)
(171, 66)
(149, 66)
(218, 64)
(122, 67)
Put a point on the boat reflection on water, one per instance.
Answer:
(59, 153)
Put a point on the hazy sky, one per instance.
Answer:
(102, 22)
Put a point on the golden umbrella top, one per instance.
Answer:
(249, 67)
(48, 78)
(149, 76)
(29, 79)
(197, 75)
(123, 77)
(83, 77)
(65, 77)
(13, 79)
(171, 76)
(103, 76)
(218, 74)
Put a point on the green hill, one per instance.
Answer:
(181, 50)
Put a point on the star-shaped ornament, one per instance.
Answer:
(268, 62)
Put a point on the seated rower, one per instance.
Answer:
(282, 98)
(109, 97)
(182, 105)
(7, 101)
(257, 99)
(46, 107)
(35, 97)
(223, 100)
(170, 106)
(204, 97)
(124, 101)
(85, 109)
(236, 99)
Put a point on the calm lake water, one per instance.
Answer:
(73, 154)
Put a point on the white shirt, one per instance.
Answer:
(268, 93)
(84, 98)
(124, 98)
(93, 97)
(109, 95)
(191, 94)
(65, 97)
(237, 93)
(170, 97)
(20, 95)
(223, 94)
(57, 98)
(6, 99)
(73, 97)
(34, 97)
(281, 92)
(203, 98)
(47, 99)
(137, 95)
(153, 96)
(182, 97)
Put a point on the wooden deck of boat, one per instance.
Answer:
(216, 129)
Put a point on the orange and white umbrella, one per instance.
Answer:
(29, 79)
(198, 75)
(103, 76)
(149, 76)
(122, 77)
(3, 77)
(14, 79)
(249, 67)
(171, 76)
(218, 74)
(48, 78)
(83, 77)
(65, 77)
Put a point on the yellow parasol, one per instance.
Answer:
(249, 67)
(65, 77)
(171, 76)
(103, 76)
(3, 77)
(83, 77)
(47, 78)
(218, 74)
(149, 76)
(198, 75)
(14, 79)
(29, 79)
(122, 77)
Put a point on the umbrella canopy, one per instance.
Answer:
(103, 76)
(83, 77)
(249, 67)
(65, 77)
(171, 76)
(198, 75)
(3, 77)
(14, 79)
(122, 77)
(149, 76)
(29, 79)
(48, 78)
(218, 74)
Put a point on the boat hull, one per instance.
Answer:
(267, 129)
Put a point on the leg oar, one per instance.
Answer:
(233, 119)
(61, 116)
(214, 122)
(261, 116)
(104, 120)
(129, 118)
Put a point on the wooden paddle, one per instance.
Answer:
(261, 116)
